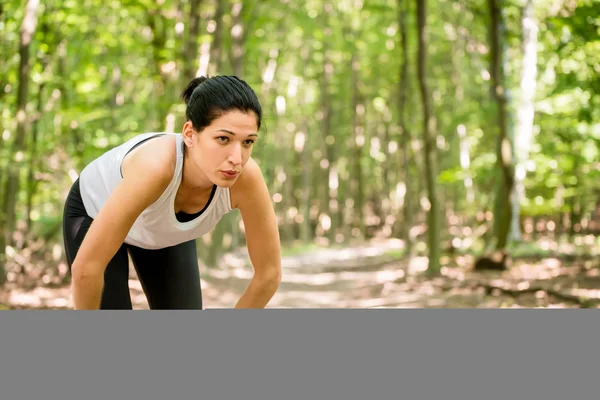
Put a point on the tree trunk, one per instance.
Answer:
(503, 210)
(358, 141)
(157, 23)
(433, 215)
(328, 195)
(303, 141)
(191, 47)
(237, 29)
(403, 6)
(525, 113)
(217, 39)
(213, 250)
(464, 155)
(575, 209)
(28, 28)
(336, 178)
(33, 163)
(465, 162)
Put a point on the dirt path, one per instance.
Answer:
(367, 278)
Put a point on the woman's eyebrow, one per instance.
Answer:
(231, 133)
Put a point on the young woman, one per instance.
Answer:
(151, 197)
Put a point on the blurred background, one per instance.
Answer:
(419, 153)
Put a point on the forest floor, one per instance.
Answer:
(376, 276)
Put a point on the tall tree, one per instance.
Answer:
(403, 6)
(433, 214)
(217, 38)
(191, 47)
(326, 73)
(504, 188)
(357, 143)
(28, 28)
(525, 112)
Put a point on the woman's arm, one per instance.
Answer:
(144, 180)
(262, 237)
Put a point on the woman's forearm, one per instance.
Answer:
(87, 290)
(259, 292)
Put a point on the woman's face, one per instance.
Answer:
(224, 147)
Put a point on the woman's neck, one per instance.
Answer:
(193, 178)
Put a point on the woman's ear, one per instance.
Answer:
(188, 134)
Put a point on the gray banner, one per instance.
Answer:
(300, 354)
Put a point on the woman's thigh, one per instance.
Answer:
(170, 276)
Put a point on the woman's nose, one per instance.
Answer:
(235, 157)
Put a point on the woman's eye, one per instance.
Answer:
(249, 142)
(222, 139)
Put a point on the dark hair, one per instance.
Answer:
(207, 98)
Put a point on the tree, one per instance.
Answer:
(505, 181)
(433, 215)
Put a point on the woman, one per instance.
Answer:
(152, 196)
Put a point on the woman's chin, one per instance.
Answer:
(224, 183)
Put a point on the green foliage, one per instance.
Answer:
(113, 69)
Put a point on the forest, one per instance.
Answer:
(418, 153)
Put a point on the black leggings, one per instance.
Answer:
(170, 277)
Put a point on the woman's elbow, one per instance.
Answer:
(270, 279)
(84, 272)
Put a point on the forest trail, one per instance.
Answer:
(372, 277)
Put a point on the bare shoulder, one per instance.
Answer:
(156, 157)
(251, 181)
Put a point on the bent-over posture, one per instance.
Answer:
(151, 197)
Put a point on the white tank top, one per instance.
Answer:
(157, 226)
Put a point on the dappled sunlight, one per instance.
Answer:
(401, 283)
(418, 264)
(294, 298)
(344, 257)
(345, 151)
(590, 293)
(453, 273)
(367, 283)
(376, 274)
(388, 276)
(547, 269)
(318, 279)
(41, 298)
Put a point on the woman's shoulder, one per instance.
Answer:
(158, 156)
(250, 178)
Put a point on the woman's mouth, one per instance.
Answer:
(229, 174)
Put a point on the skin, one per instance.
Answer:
(224, 145)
